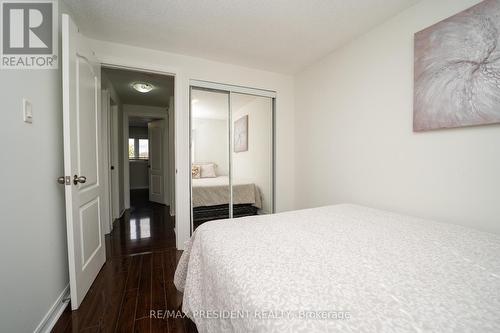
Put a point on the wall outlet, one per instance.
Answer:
(27, 111)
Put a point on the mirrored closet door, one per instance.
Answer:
(251, 154)
(232, 149)
(210, 185)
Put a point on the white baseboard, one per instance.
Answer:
(55, 311)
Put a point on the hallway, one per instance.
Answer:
(136, 279)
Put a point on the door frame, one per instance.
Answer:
(126, 163)
(110, 143)
(179, 204)
(114, 161)
(107, 222)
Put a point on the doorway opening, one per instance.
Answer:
(140, 161)
(138, 125)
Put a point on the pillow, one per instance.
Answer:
(208, 170)
(195, 171)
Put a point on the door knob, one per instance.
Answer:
(81, 180)
(64, 180)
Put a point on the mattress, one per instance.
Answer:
(215, 191)
(339, 269)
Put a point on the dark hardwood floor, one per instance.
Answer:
(136, 279)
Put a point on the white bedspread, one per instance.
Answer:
(389, 273)
(215, 191)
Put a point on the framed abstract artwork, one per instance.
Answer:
(241, 134)
(457, 70)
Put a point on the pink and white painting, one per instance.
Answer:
(457, 70)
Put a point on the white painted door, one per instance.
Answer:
(106, 217)
(156, 131)
(82, 157)
(115, 163)
(171, 155)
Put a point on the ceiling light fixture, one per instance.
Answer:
(142, 87)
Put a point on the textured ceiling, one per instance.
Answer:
(278, 35)
(122, 80)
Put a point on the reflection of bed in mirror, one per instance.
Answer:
(211, 198)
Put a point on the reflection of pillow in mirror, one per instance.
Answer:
(208, 170)
(195, 171)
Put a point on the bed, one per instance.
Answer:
(340, 268)
(211, 196)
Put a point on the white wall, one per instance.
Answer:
(210, 138)
(255, 164)
(355, 141)
(186, 68)
(33, 249)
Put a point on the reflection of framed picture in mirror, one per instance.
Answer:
(241, 134)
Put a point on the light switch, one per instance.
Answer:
(27, 111)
